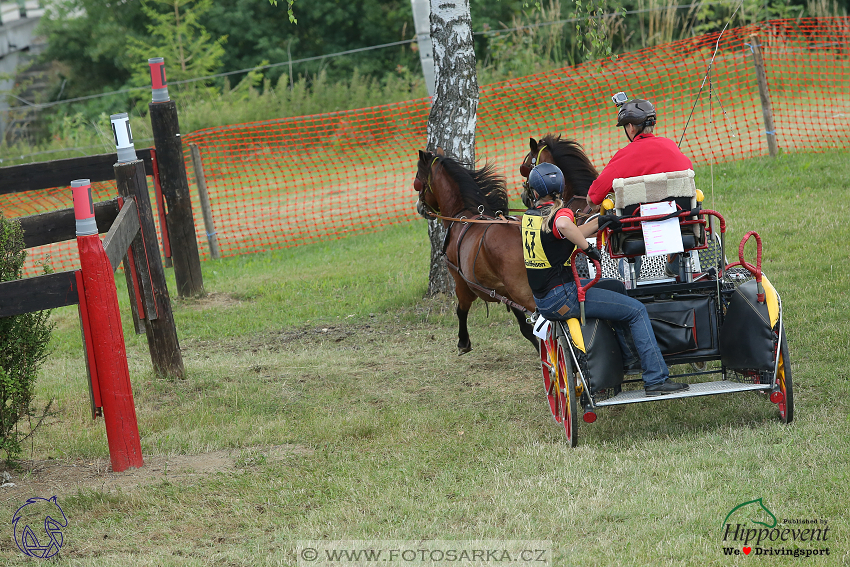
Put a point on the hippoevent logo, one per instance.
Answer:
(750, 528)
(39, 512)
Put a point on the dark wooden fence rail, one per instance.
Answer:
(57, 226)
(60, 172)
(36, 294)
(51, 290)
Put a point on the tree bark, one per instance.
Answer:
(451, 124)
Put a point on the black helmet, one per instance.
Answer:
(638, 112)
(546, 179)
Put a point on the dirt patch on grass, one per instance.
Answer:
(209, 301)
(53, 477)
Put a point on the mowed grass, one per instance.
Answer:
(331, 349)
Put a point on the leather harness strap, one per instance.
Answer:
(491, 292)
(475, 285)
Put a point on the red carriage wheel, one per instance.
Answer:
(568, 398)
(549, 366)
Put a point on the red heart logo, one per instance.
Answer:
(747, 550)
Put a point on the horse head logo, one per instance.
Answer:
(36, 510)
(753, 509)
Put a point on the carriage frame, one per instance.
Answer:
(708, 289)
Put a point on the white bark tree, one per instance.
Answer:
(454, 109)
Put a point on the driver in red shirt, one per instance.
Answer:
(646, 154)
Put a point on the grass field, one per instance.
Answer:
(324, 400)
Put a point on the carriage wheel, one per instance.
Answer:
(783, 376)
(549, 365)
(569, 402)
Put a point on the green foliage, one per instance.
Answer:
(177, 35)
(24, 343)
(89, 38)
(290, 13)
(593, 27)
(537, 42)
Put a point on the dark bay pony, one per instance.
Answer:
(479, 254)
(569, 156)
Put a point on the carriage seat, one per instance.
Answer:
(631, 192)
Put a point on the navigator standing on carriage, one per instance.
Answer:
(549, 234)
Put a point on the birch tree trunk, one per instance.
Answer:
(451, 124)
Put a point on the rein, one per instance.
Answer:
(479, 220)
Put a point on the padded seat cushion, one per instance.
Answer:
(653, 188)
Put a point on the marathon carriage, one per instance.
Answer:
(702, 310)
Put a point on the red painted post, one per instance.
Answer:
(107, 336)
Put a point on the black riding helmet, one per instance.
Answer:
(546, 179)
(637, 111)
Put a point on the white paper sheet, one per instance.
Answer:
(662, 237)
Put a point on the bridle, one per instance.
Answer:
(424, 187)
(525, 170)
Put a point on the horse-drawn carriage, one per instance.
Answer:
(719, 320)
(715, 318)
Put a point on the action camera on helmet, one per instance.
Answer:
(620, 99)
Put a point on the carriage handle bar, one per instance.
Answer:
(755, 270)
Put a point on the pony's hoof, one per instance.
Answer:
(463, 349)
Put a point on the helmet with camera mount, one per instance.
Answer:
(637, 111)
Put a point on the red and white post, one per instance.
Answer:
(110, 354)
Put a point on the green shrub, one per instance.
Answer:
(24, 343)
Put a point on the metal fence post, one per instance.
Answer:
(204, 197)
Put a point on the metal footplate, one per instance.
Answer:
(701, 389)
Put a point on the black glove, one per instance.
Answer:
(611, 221)
(592, 253)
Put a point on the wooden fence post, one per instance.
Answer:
(175, 186)
(159, 321)
(764, 93)
(107, 336)
(204, 197)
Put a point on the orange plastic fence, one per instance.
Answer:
(265, 179)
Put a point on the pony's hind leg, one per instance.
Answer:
(526, 328)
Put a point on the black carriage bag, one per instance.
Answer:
(685, 325)
(603, 357)
(746, 338)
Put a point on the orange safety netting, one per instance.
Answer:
(264, 178)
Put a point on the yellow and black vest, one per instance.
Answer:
(547, 258)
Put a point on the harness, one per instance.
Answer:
(467, 222)
(474, 284)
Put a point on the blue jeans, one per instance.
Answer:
(623, 311)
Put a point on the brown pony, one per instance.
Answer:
(569, 156)
(479, 255)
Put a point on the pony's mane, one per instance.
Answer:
(478, 187)
(569, 156)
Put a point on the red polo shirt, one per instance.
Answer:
(646, 155)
